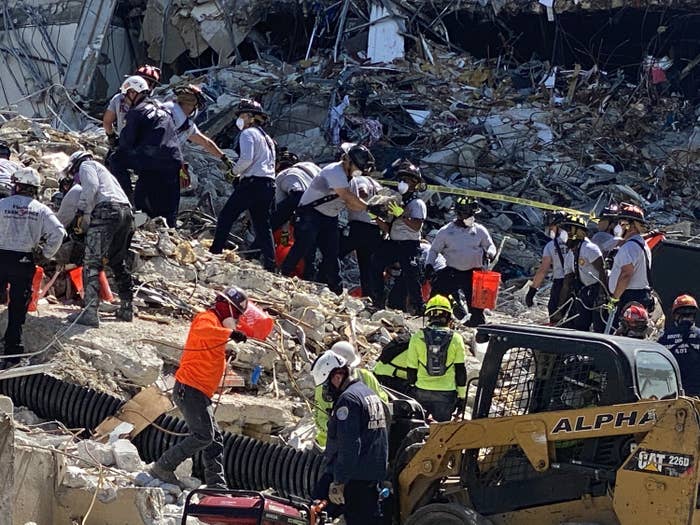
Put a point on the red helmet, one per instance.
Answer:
(635, 320)
(151, 73)
(685, 302)
(631, 212)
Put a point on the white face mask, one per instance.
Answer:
(355, 173)
(551, 234)
(229, 323)
(563, 236)
(240, 123)
(617, 230)
(402, 187)
(468, 222)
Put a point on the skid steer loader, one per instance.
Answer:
(567, 428)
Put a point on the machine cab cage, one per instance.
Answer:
(530, 370)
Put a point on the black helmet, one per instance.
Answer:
(574, 221)
(466, 207)
(631, 212)
(610, 212)
(192, 94)
(232, 296)
(405, 168)
(5, 149)
(247, 105)
(554, 218)
(361, 157)
(285, 158)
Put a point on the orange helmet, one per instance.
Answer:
(685, 301)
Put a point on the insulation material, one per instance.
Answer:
(385, 43)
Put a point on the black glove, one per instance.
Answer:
(429, 272)
(113, 140)
(238, 336)
(376, 209)
(529, 298)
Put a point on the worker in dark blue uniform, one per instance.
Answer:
(149, 146)
(683, 341)
(357, 447)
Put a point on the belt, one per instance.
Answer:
(107, 204)
(17, 254)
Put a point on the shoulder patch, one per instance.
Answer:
(581, 261)
(342, 413)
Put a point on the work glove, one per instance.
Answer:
(530, 297)
(395, 209)
(336, 493)
(230, 175)
(612, 303)
(78, 224)
(375, 209)
(237, 336)
(113, 140)
(460, 406)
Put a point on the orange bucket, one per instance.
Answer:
(281, 253)
(255, 323)
(485, 289)
(36, 288)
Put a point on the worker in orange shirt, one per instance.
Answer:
(202, 366)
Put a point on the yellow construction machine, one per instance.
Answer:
(567, 428)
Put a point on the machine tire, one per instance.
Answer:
(446, 514)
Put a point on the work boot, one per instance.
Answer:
(166, 476)
(86, 317)
(126, 311)
(9, 362)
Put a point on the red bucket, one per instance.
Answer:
(255, 323)
(485, 289)
(36, 288)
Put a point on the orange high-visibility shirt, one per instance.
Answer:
(203, 362)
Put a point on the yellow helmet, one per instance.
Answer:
(438, 303)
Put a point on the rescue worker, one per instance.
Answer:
(292, 181)
(364, 236)
(316, 222)
(465, 244)
(630, 276)
(609, 231)
(391, 369)
(552, 257)
(7, 168)
(254, 188)
(357, 449)
(585, 277)
(435, 363)
(104, 215)
(148, 145)
(202, 365)
(114, 119)
(683, 341)
(634, 321)
(404, 229)
(322, 399)
(26, 227)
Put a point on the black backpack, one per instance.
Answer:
(395, 347)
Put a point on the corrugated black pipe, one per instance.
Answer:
(248, 463)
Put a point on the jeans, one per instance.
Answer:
(204, 435)
(449, 282)
(257, 196)
(108, 239)
(314, 230)
(364, 239)
(407, 254)
(17, 270)
(440, 404)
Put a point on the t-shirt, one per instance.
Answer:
(295, 179)
(331, 178)
(557, 263)
(184, 126)
(588, 253)
(365, 188)
(631, 253)
(69, 206)
(26, 224)
(257, 158)
(118, 105)
(400, 231)
(7, 169)
(605, 241)
(462, 247)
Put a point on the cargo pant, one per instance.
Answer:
(17, 270)
(107, 242)
(449, 282)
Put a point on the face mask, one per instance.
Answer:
(551, 234)
(563, 236)
(617, 230)
(240, 123)
(684, 324)
(468, 222)
(229, 323)
(355, 173)
(402, 187)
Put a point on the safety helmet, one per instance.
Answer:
(151, 73)
(246, 105)
(634, 320)
(361, 157)
(631, 212)
(75, 160)
(554, 218)
(191, 94)
(466, 206)
(5, 150)
(403, 168)
(610, 212)
(684, 305)
(27, 177)
(325, 364)
(347, 351)
(232, 296)
(285, 158)
(574, 221)
(135, 83)
(438, 304)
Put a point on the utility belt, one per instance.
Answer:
(322, 200)
(29, 256)
(109, 210)
(252, 179)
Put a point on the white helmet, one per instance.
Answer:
(75, 160)
(27, 177)
(136, 83)
(347, 351)
(325, 364)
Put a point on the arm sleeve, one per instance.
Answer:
(369, 379)
(69, 205)
(349, 443)
(127, 137)
(458, 343)
(247, 147)
(417, 210)
(412, 360)
(436, 248)
(53, 234)
(204, 328)
(90, 183)
(320, 416)
(487, 243)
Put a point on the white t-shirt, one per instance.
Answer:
(400, 231)
(605, 241)
(331, 178)
(551, 251)
(365, 188)
(631, 253)
(184, 126)
(295, 179)
(588, 253)
(7, 169)
(117, 105)
(463, 247)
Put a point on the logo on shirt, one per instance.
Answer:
(375, 408)
(342, 413)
